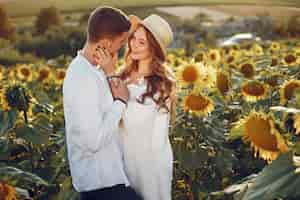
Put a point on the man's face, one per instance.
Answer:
(118, 42)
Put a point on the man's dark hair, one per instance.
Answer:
(106, 22)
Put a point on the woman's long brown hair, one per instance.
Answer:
(161, 81)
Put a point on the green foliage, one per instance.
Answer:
(7, 29)
(10, 56)
(278, 180)
(55, 42)
(46, 18)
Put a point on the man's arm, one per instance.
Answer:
(94, 125)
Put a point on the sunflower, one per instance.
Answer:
(24, 73)
(235, 53)
(290, 59)
(208, 75)
(254, 91)
(198, 104)
(297, 51)
(297, 123)
(200, 56)
(274, 47)
(59, 76)
(7, 192)
(287, 90)
(3, 100)
(170, 59)
(273, 80)
(214, 56)
(257, 50)
(223, 82)
(188, 73)
(230, 59)
(200, 45)
(247, 69)
(44, 74)
(259, 129)
(12, 73)
(14, 96)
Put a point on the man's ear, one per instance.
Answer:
(107, 43)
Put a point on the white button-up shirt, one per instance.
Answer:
(91, 121)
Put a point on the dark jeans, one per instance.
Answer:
(118, 192)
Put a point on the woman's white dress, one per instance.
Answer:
(148, 155)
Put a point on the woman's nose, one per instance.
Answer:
(134, 45)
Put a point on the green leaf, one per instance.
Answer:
(20, 177)
(192, 160)
(236, 132)
(31, 134)
(7, 120)
(66, 190)
(278, 180)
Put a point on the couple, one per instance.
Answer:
(117, 123)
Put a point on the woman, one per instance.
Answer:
(145, 124)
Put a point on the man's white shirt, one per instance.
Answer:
(91, 121)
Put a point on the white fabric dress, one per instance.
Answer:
(148, 155)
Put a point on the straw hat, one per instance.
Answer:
(158, 27)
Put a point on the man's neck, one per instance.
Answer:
(87, 53)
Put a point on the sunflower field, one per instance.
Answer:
(236, 134)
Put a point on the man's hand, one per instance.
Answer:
(119, 89)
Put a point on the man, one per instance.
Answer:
(93, 106)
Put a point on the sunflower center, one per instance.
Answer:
(254, 89)
(289, 90)
(213, 56)
(25, 72)
(43, 74)
(190, 74)
(258, 131)
(275, 46)
(273, 80)
(230, 59)
(248, 70)
(289, 59)
(196, 102)
(61, 75)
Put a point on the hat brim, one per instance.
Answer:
(135, 22)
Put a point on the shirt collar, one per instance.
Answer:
(92, 66)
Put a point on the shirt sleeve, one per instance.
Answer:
(94, 125)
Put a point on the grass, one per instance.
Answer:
(17, 8)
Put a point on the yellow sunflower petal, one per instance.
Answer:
(297, 124)
(287, 90)
(7, 192)
(254, 91)
(198, 104)
(259, 130)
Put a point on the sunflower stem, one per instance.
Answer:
(25, 116)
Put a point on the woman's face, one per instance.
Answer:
(139, 45)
